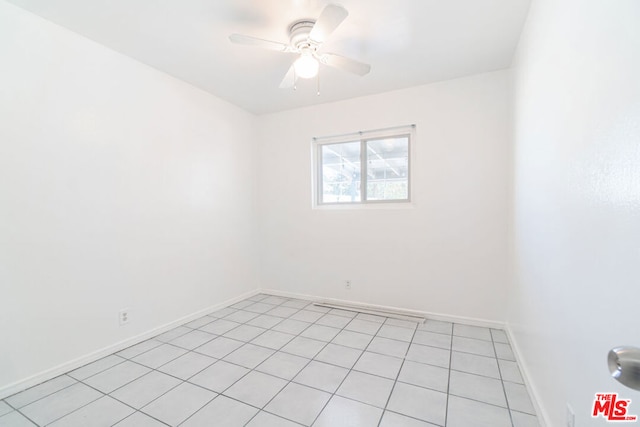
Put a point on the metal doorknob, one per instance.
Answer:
(624, 365)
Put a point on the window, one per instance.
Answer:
(367, 167)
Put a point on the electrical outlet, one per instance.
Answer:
(123, 316)
(571, 417)
(347, 284)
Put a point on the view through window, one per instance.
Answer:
(367, 167)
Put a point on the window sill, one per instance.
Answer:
(364, 206)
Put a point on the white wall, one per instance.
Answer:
(119, 187)
(577, 199)
(447, 254)
(123, 187)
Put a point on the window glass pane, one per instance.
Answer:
(388, 168)
(341, 172)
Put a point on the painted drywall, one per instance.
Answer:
(446, 253)
(576, 200)
(119, 187)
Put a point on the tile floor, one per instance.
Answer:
(269, 361)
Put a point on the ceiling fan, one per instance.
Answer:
(305, 38)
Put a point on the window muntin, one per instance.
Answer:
(374, 168)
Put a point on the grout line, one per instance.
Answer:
(289, 381)
(246, 373)
(75, 410)
(362, 352)
(411, 417)
(142, 376)
(182, 380)
(21, 413)
(126, 384)
(42, 397)
(313, 359)
(446, 407)
(297, 310)
(186, 381)
(504, 390)
(348, 372)
(393, 387)
(137, 411)
(330, 342)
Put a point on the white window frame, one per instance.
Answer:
(363, 137)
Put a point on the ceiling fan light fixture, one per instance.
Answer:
(306, 66)
(306, 37)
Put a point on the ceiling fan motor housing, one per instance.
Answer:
(299, 34)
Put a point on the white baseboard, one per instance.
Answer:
(51, 373)
(543, 417)
(434, 316)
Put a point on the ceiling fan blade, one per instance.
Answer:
(344, 63)
(254, 41)
(329, 19)
(289, 79)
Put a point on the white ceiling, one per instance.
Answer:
(407, 42)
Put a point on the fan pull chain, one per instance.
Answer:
(318, 87)
(295, 80)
